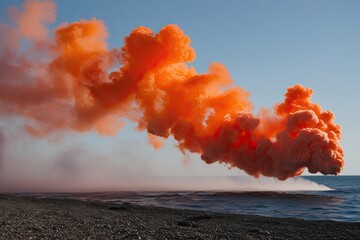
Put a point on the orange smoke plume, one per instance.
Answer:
(66, 83)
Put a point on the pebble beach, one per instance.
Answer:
(43, 218)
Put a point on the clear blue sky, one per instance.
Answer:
(267, 46)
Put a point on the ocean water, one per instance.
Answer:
(313, 197)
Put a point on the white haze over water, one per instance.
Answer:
(228, 184)
(80, 169)
(153, 184)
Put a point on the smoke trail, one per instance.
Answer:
(66, 83)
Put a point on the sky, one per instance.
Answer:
(267, 46)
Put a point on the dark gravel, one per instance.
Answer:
(32, 218)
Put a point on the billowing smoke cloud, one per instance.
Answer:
(67, 82)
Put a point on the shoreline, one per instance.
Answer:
(30, 217)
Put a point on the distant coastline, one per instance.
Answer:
(25, 217)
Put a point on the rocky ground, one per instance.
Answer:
(31, 218)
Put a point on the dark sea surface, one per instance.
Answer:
(313, 197)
